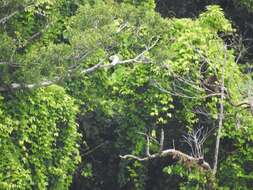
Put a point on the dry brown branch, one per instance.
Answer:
(176, 155)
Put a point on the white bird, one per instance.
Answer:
(115, 59)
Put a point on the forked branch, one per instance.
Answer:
(116, 61)
(185, 159)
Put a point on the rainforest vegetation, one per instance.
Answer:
(126, 94)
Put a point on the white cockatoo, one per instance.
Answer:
(114, 59)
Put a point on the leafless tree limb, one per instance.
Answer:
(6, 18)
(221, 115)
(185, 159)
(150, 138)
(175, 154)
(148, 145)
(177, 94)
(95, 148)
(196, 139)
(161, 140)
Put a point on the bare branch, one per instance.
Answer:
(185, 159)
(95, 148)
(221, 115)
(16, 86)
(148, 144)
(155, 84)
(161, 140)
(195, 139)
(5, 19)
(137, 59)
(150, 138)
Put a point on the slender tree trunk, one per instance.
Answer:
(221, 115)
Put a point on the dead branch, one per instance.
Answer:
(185, 159)
(221, 115)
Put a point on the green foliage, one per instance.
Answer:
(87, 171)
(147, 4)
(191, 178)
(128, 95)
(214, 18)
(39, 144)
(246, 3)
(30, 28)
(236, 171)
(39, 138)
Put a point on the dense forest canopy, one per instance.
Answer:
(126, 95)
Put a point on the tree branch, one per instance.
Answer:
(16, 86)
(137, 59)
(221, 115)
(161, 140)
(155, 84)
(187, 160)
(4, 19)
